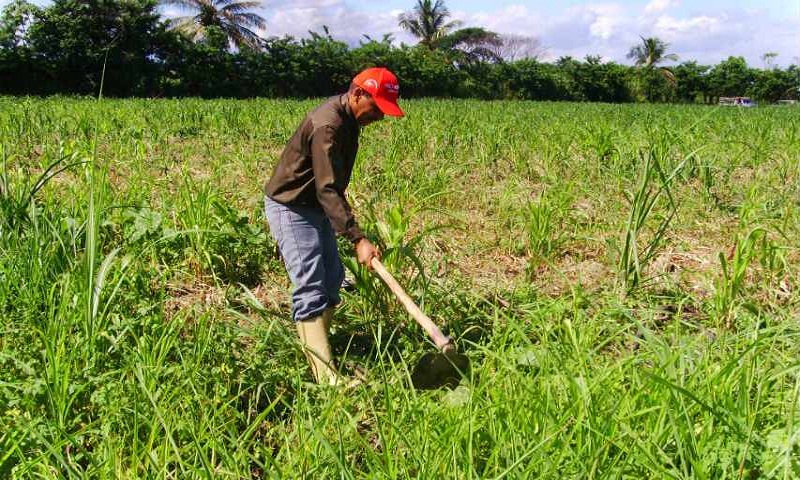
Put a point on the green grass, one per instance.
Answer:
(144, 327)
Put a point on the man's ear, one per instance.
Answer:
(358, 92)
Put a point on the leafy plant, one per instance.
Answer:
(544, 226)
(654, 185)
(400, 251)
(18, 190)
(730, 284)
(601, 142)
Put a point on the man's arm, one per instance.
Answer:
(333, 201)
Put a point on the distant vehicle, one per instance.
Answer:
(737, 101)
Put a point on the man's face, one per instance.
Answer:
(365, 109)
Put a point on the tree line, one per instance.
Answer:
(74, 46)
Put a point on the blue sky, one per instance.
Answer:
(707, 31)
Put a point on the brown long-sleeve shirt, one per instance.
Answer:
(315, 166)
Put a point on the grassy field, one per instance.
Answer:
(624, 280)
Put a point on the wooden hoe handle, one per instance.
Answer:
(441, 341)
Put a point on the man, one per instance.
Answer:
(305, 204)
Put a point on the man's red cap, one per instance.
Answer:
(383, 86)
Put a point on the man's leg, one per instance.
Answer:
(334, 276)
(334, 270)
(298, 234)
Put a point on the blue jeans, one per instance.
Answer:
(307, 244)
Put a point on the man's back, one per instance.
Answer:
(292, 183)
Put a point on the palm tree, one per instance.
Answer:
(428, 22)
(387, 39)
(233, 18)
(650, 53)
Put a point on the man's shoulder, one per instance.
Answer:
(330, 113)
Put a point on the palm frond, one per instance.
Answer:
(672, 57)
(192, 29)
(669, 75)
(232, 16)
(241, 35)
(248, 20)
(428, 21)
(239, 7)
(181, 23)
(412, 25)
(651, 52)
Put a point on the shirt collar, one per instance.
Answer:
(344, 100)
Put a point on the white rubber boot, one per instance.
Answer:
(313, 334)
(361, 375)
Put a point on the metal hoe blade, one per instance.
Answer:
(440, 369)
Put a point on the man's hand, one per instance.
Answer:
(365, 252)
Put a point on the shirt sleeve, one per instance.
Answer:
(325, 156)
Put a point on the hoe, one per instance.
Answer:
(434, 369)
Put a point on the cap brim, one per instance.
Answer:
(388, 107)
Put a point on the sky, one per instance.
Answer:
(707, 31)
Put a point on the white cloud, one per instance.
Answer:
(658, 6)
(299, 4)
(610, 29)
(605, 26)
(671, 27)
(347, 24)
(510, 19)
